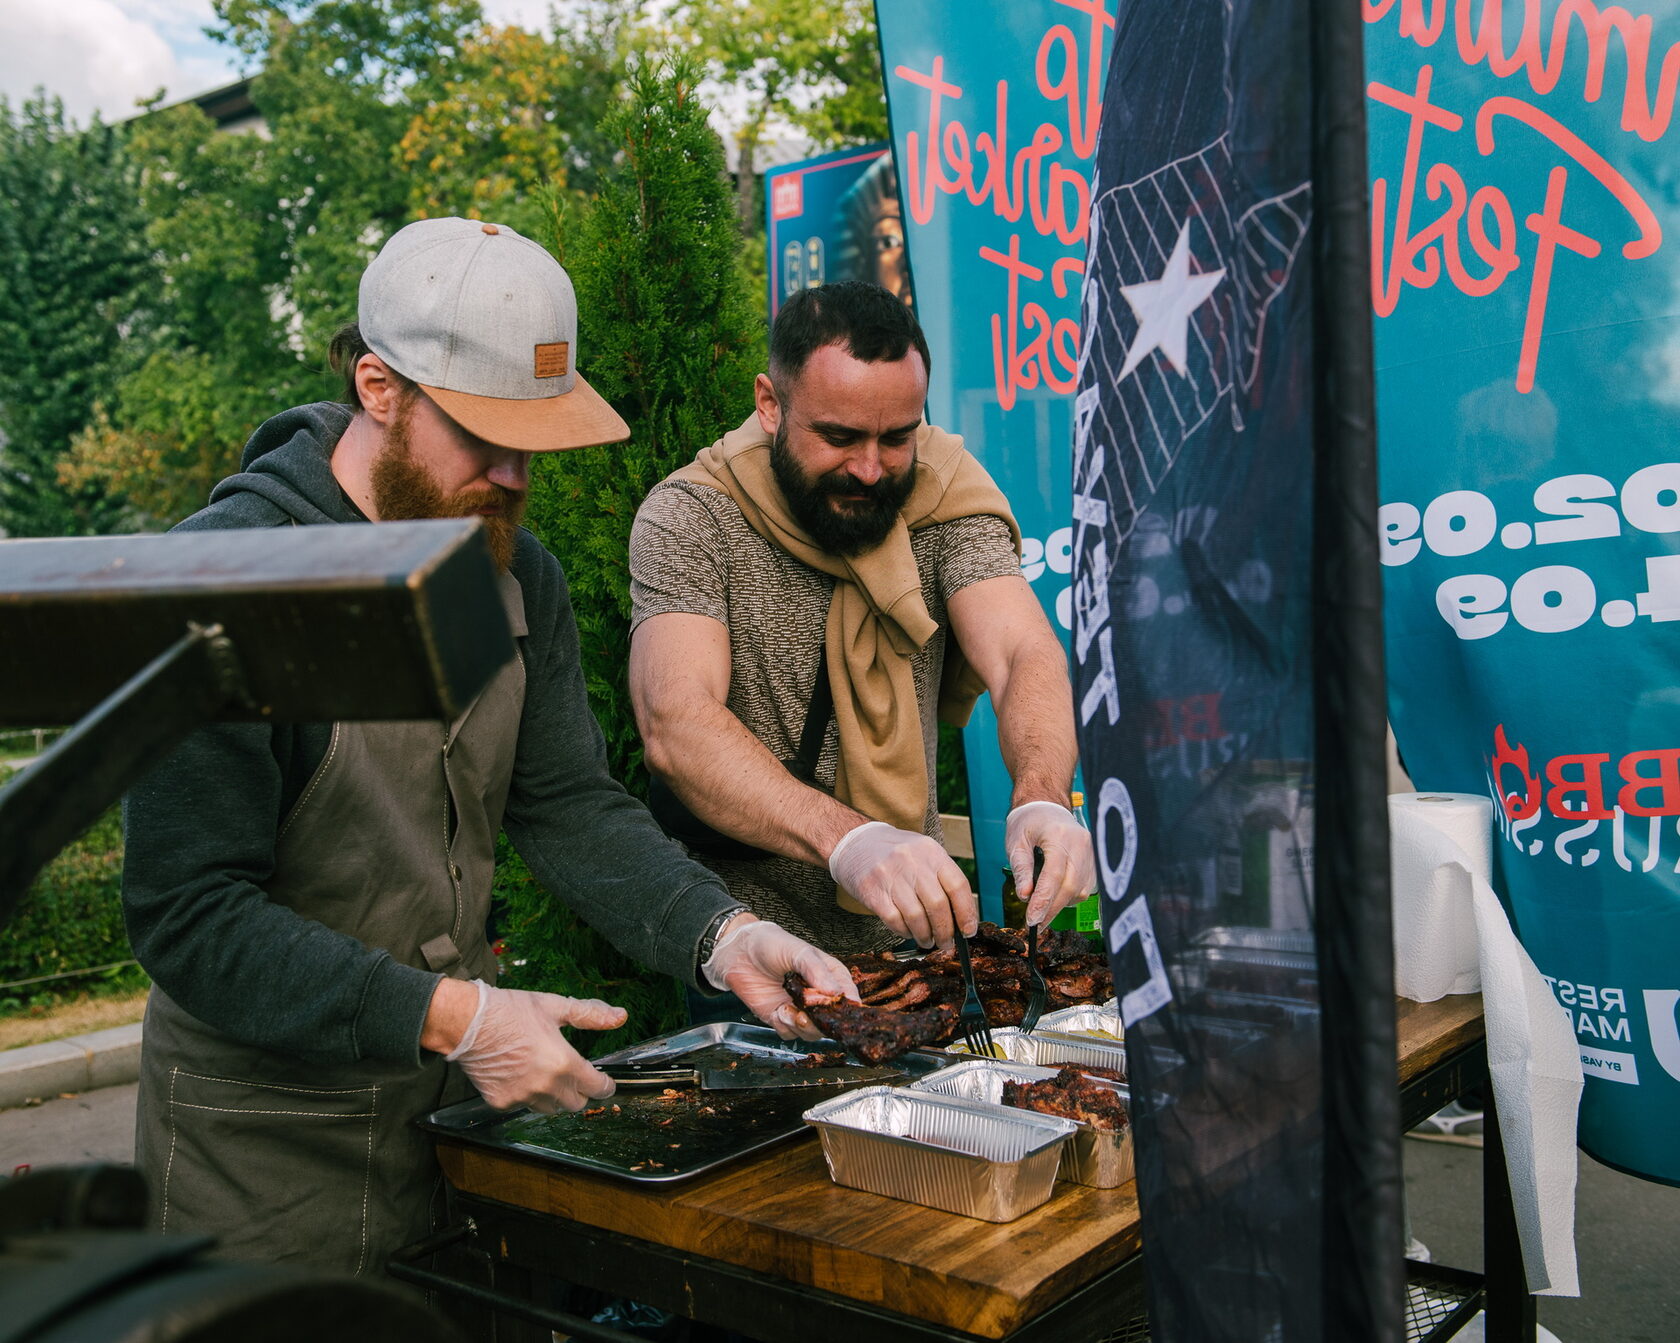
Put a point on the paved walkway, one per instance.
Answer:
(95, 1126)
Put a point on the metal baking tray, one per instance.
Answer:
(978, 1160)
(1258, 939)
(1100, 1020)
(1048, 1048)
(1101, 1158)
(656, 1136)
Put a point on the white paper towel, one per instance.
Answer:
(1451, 936)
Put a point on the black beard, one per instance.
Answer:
(851, 528)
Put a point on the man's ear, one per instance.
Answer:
(378, 388)
(769, 406)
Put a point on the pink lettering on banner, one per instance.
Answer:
(1472, 238)
(1032, 184)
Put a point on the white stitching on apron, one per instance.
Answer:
(367, 1183)
(276, 1086)
(169, 1167)
(294, 1114)
(320, 773)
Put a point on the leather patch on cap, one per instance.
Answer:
(553, 360)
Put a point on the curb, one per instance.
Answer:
(81, 1063)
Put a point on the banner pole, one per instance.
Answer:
(1364, 1278)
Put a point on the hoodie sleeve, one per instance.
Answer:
(200, 837)
(586, 839)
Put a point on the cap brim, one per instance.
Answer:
(580, 418)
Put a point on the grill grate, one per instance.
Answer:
(1136, 1331)
(1433, 1294)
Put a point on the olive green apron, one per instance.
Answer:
(393, 842)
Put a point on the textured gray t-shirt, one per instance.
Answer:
(692, 551)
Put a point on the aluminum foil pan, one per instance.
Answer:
(1097, 1157)
(1101, 1020)
(978, 1160)
(1048, 1048)
(1258, 939)
(1275, 974)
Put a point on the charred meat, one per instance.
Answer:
(1072, 1094)
(909, 1003)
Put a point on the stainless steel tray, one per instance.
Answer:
(1100, 1158)
(656, 1136)
(958, 1156)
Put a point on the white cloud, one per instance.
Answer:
(105, 54)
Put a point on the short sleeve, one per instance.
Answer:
(973, 549)
(678, 560)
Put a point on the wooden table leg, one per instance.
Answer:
(1510, 1309)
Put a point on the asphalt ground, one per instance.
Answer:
(1627, 1230)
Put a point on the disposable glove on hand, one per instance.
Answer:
(907, 881)
(514, 1054)
(1070, 866)
(751, 959)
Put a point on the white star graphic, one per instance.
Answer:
(1163, 306)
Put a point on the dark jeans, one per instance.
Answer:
(704, 1009)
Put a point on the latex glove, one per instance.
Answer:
(907, 881)
(514, 1054)
(753, 957)
(1070, 866)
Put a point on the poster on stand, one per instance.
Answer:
(1525, 235)
(831, 218)
(994, 125)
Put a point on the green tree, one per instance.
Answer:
(74, 285)
(814, 67)
(668, 334)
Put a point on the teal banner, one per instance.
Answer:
(995, 108)
(1526, 286)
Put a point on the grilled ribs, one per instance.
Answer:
(1072, 1094)
(908, 1003)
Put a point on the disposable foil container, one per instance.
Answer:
(957, 1155)
(1101, 1020)
(1258, 939)
(1051, 1048)
(1098, 1157)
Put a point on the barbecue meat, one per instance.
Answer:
(1072, 1095)
(914, 1002)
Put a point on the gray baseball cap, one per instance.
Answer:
(486, 322)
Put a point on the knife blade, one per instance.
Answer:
(750, 1079)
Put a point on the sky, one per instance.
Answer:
(105, 54)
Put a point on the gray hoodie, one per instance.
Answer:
(201, 828)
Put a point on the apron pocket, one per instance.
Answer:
(278, 1173)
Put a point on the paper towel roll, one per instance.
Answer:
(1451, 936)
(1434, 912)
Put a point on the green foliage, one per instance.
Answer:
(548, 948)
(74, 279)
(667, 334)
(70, 919)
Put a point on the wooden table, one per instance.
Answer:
(772, 1248)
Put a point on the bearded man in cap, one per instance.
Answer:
(311, 899)
(809, 596)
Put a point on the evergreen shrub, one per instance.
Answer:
(70, 919)
(672, 337)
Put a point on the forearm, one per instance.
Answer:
(731, 781)
(1035, 726)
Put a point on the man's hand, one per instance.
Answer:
(751, 960)
(1070, 865)
(512, 1049)
(907, 881)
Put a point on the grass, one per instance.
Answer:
(75, 1016)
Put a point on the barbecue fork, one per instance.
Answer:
(976, 1030)
(1040, 991)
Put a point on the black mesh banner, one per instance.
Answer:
(1224, 565)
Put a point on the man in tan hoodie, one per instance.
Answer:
(796, 592)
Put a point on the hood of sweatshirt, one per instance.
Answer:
(285, 473)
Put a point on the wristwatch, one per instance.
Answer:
(709, 938)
